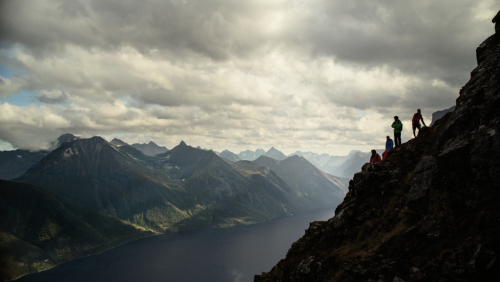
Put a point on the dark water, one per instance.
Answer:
(233, 254)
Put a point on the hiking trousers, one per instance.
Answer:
(397, 139)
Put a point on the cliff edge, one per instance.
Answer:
(429, 212)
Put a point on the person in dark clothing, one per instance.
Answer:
(398, 127)
(415, 121)
(375, 158)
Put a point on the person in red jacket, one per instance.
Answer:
(375, 158)
(415, 121)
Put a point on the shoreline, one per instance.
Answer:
(169, 233)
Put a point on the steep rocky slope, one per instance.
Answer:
(429, 212)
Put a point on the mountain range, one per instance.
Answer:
(149, 149)
(180, 189)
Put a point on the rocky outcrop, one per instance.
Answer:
(429, 212)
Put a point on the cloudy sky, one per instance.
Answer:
(319, 75)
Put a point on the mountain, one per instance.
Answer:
(67, 137)
(251, 155)
(429, 212)
(316, 159)
(97, 175)
(39, 230)
(275, 154)
(232, 198)
(439, 114)
(353, 164)
(117, 142)
(307, 180)
(150, 148)
(229, 156)
(16, 162)
(183, 188)
(333, 164)
(264, 177)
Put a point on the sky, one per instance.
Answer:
(325, 76)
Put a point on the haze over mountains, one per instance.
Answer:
(14, 163)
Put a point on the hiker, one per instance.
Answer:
(398, 127)
(389, 145)
(415, 122)
(375, 158)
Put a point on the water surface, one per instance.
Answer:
(233, 254)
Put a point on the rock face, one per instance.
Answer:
(429, 212)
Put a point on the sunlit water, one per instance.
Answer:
(232, 254)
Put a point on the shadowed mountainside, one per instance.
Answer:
(429, 212)
(16, 162)
(39, 230)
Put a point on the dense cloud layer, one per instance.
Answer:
(316, 75)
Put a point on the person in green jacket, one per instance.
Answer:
(398, 127)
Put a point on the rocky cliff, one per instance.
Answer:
(429, 212)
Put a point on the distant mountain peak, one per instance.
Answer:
(98, 139)
(117, 142)
(66, 137)
(296, 157)
(182, 144)
(275, 154)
